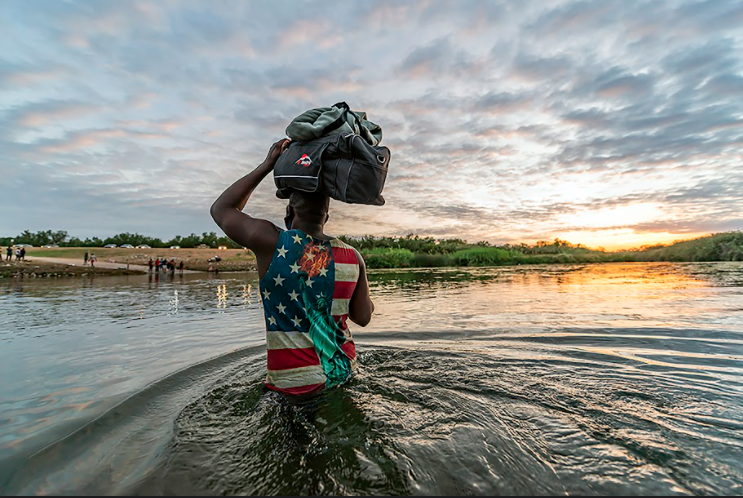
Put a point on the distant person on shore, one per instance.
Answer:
(172, 266)
(93, 260)
(180, 267)
(310, 284)
(150, 263)
(9, 254)
(85, 258)
(17, 254)
(23, 253)
(157, 265)
(1, 253)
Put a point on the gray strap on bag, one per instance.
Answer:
(345, 109)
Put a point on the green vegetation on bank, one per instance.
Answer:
(420, 252)
(726, 246)
(62, 238)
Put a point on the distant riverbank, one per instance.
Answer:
(416, 252)
(193, 259)
(403, 252)
(47, 269)
(69, 261)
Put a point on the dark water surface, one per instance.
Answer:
(603, 379)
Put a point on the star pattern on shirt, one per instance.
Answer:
(303, 269)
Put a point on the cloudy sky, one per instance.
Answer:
(611, 123)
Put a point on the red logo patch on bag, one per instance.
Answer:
(304, 161)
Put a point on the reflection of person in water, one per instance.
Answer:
(311, 284)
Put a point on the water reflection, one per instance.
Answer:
(535, 297)
(174, 302)
(248, 294)
(72, 348)
(222, 296)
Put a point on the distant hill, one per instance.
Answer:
(727, 246)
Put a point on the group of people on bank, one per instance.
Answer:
(20, 254)
(165, 265)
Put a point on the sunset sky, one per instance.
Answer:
(608, 123)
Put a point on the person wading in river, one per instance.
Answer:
(310, 284)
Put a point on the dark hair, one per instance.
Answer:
(310, 206)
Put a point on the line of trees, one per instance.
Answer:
(430, 245)
(727, 246)
(63, 239)
(414, 251)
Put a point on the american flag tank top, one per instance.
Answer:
(306, 294)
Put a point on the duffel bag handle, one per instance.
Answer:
(341, 119)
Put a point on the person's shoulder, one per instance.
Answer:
(284, 234)
(336, 242)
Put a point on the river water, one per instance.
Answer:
(571, 379)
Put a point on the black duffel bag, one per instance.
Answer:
(345, 167)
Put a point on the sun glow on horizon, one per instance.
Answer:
(623, 238)
(609, 217)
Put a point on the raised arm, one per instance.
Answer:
(361, 307)
(258, 235)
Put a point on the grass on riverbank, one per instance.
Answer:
(481, 256)
(381, 253)
(417, 252)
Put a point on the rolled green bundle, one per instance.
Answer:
(335, 120)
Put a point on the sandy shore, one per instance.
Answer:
(98, 264)
(38, 268)
(193, 259)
